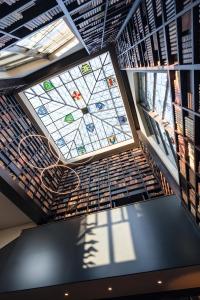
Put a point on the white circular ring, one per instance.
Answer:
(49, 143)
(63, 166)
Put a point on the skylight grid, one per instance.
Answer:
(49, 38)
(150, 89)
(82, 108)
(160, 92)
(155, 87)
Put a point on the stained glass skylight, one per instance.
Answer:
(82, 108)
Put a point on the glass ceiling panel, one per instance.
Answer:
(160, 92)
(150, 89)
(49, 38)
(142, 88)
(56, 39)
(82, 108)
(168, 109)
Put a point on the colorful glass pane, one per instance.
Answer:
(82, 112)
(111, 80)
(76, 95)
(60, 142)
(81, 150)
(86, 69)
(48, 85)
(69, 118)
(90, 127)
(100, 105)
(122, 119)
(42, 111)
(112, 139)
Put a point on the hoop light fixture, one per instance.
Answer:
(54, 165)
(49, 143)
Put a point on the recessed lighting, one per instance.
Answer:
(159, 282)
(66, 294)
(110, 289)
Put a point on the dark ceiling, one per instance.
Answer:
(98, 21)
(95, 22)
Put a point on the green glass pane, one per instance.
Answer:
(48, 85)
(81, 150)
(69, 118)
(86, 68)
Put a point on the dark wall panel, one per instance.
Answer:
(18, 181)
(142, 237)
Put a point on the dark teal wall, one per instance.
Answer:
(158, 231)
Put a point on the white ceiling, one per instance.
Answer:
(35, 65)
(10, 214)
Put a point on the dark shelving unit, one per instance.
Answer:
(15, 125)
(98, 22)
(174, 28)
(107, 183)
(110, 182)
(170, 30)
(156, 171)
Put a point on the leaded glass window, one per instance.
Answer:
(158, 103)
(49, 38)
(82, 108)
(168, 116)
(150, 89)
(160, 92)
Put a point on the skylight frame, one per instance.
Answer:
(47, 33)
(123, 142)
(50, 40)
